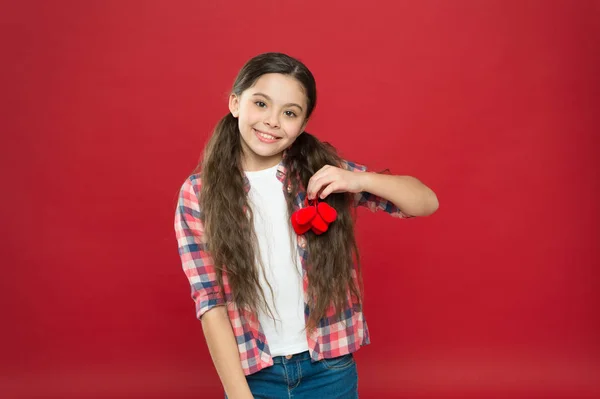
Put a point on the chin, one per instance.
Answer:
(267, 154)
(259, 149)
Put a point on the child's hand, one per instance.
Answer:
(330, 179)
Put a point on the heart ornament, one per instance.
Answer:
(317, 217)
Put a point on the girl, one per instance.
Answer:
(281, 307)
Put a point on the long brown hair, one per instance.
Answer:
(227, 216)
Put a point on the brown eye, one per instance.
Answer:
(291, 114)
(260, 104)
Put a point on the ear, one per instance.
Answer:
(234, 105)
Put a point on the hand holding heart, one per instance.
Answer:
(330, 179)
(319, 215)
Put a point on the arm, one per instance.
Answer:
(406, 193)
(224, 352)
(199, 268)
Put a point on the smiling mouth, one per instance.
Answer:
(266, 136)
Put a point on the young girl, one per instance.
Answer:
(280, 306)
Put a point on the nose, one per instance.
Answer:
(271, 120)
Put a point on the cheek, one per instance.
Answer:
(294, 128)
(248, 114)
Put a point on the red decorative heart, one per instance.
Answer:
(298, 228)
(328, 213)
(317, 231)
(315, 217)
(305, 215)
(319, 226)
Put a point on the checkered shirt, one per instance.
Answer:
(333, 336)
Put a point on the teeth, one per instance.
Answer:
(266, 136)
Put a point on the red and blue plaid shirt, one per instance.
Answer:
(333, 336)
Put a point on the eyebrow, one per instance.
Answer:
(286, 105)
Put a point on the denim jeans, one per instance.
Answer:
(300, 378)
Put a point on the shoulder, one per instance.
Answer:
(192, 184)
(195, 180)
(189, 195)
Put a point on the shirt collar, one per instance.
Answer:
(281, 173)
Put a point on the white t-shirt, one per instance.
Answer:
(286, 334)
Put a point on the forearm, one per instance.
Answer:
(224, 352)
(406, 192)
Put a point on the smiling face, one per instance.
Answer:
(271, 115)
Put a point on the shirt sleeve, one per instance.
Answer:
(197, 263)
(371, 201)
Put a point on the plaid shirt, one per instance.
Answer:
(333, 336)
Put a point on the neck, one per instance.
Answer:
(253, 163)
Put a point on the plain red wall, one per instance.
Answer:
(106, 106)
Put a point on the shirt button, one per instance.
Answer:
(302, 242)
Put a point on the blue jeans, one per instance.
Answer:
(300, 378)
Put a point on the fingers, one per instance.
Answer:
(327, 180)
(317, 181)
(331, 188)
(330, 179)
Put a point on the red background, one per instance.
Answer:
(106, 107)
